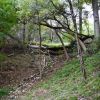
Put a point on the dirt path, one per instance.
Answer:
(22, 73)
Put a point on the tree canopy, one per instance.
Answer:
(8, 16)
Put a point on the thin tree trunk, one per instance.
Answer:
(66, 54)
(80, 56)
(40, 67)
(40, 44)
(51, 36)
(80, 17)
(79, 49)
(79, 45)
(24, 28)
(96, 21)
(72, 14)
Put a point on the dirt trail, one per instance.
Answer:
(22, 73)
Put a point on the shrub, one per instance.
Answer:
(2, 57)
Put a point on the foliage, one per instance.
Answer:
(7, 15)
(56, 15)
(4, 91)
(2, 57)
(2, 38)
(8, 18)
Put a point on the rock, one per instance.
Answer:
(87, 41)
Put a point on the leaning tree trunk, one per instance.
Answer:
(79, 49)
(65, 51)
(96, 21)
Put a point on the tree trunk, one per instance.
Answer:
(79, 49)
(80, 17)
(40, 44)
(96, 21)
(66, 54)
(24, 27)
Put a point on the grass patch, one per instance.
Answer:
(2, 57)
(4, 91)
(51, 45)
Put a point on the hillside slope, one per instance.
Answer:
(67, 83)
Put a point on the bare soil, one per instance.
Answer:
(16, 68)
(20, 71)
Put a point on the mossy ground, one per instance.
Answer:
(51, 45)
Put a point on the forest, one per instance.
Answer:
(49, 49)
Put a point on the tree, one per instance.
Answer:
(96, 21)
(64, 16)
(8, 17)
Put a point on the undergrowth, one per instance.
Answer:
(4, 91)
(2, 57)
(67, 83)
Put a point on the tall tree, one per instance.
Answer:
(8, 18)
(96, 21)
